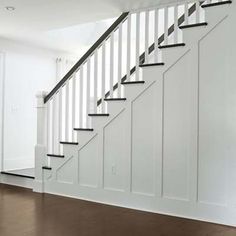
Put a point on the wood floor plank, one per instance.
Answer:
(24, 213)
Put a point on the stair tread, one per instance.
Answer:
(99, 114)
(55, 155)
(193, 25)
(83, 129)
(216, 4)
(171, 45)
(114, 99)
(17, 175)
(46, 168)
(71, 143)
(133, 82)
(152, 64)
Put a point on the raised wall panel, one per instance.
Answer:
(115, 155)
(214, 118)
(179, 128)
(89, 164)
(143, 142)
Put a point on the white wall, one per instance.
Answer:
(27, 70)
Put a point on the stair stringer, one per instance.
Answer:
(152, 190)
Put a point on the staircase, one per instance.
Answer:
(126, 125)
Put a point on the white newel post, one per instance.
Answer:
(41, 147)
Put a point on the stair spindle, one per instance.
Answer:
(137, 45)
(81, 97)
(119, 60)
(111, 64)
(128, 47)
(176, 27)
(146, 37)
(88, 93)
(166, 20)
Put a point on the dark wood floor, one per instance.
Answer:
(23, 213)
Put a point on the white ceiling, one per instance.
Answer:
(63, 24)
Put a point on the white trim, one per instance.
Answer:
(2, 98)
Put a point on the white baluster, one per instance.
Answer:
(95, 81)
(197, 12)
(53, 104)
(88, 93)
(186, 13)
(49, 149)
(128, 47)
(111, 64)
(119, 60)
(166, 19)
(176, 30)
(60, 118)
(67, 112)
(156, 35)
(73, 105)
(137, 44)
(103, 74)
(81, 97)
(146, 36)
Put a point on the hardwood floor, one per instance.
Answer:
(24, 213)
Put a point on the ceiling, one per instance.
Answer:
(63, 24)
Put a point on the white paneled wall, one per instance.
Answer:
(170, 147)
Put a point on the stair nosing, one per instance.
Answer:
(99, 114)
(216, 4)
(55, 155)
(83, 129)
(133, 82)
(17, 175)
(46, 168)
(193, 25)
(115, 99)
(152, 64)
(172, 45)
(69, 143)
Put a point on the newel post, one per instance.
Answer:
(40, 147)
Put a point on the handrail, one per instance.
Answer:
(171, 29)
(121, 18)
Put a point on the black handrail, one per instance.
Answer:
(86, 55)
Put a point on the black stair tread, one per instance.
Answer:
(71, 143)
(46, 168)
(216, 4)
(55, 155)
(152, 64)
(98, 114)
(83, 129)
(193, 25)
(17, 175)
(172, 45)
(133, 82)
(114, 99)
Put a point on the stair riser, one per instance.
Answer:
(152, 74)
(132, 90)
(170, 55)
(115, 106)
(98, 121)
(192, 35)
(215, 14)
(83, 135)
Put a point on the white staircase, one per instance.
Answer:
(131, 129)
